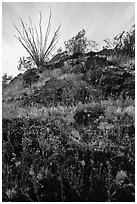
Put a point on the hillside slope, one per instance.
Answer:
(69, 131)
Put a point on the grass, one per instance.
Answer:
(45, 147)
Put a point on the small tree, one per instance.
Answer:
(36, 44)
(79, 43)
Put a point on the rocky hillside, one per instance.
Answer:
(92, 71)
(69, 130)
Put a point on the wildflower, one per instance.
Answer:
(46, 172)
(105, 126)
(92, 161)
(13, 159)
(69, 119)
(39, 176)
(121, 177)
(82, 163)
(43, 143)
(119, 111)
(18, 163)
(8, 193)
(24, 142)
(13, 154)
(11, 192)
(79, 107)
(130, 110)
(31, 172)
(75, 134)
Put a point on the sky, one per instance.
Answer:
(100, 20)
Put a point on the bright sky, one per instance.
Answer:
(100, 20)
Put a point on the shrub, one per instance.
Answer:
(26, 63)
(79, 43)
(5, 80)
(123, 44)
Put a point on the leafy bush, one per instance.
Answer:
(79, 43)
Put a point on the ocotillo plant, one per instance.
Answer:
(35, 42)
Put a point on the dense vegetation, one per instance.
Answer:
(69, 127)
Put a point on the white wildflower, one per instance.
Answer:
(18, 163)
(82, 162)
(130, 110)
(39, 176)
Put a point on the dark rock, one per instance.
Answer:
(87, 115)
(30, 76)
(77, 55)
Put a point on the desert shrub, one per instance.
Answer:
(79, 43)
(127, 45)
(5, 80)
(123, 45)
(25, 63)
